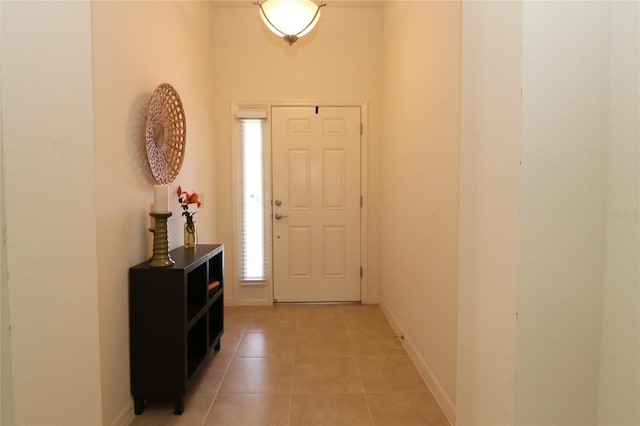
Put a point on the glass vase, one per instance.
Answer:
(190, 234)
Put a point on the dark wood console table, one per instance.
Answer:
(176, 319)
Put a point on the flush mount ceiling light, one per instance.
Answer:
(290, 19)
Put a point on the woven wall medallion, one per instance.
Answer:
(166, 133)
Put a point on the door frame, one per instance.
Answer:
(238, 296)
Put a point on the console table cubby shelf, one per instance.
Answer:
(176, 319)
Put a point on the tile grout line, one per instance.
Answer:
(293, 372)
(364, 391)
(224, 376)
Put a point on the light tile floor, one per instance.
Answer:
(304, 365)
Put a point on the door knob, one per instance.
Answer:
(278, 216)
(278, 203)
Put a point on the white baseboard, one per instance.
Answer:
(254, 302)
(427, 375)
(125, 417)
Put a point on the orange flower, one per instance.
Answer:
(184, 198)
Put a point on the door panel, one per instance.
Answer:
(299, 188)
(316, 209)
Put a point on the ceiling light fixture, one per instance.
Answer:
(290, 19)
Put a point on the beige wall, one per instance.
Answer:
(6, 380)
(565, 110)
(489, 194)
(338, 62)
(619, 376)
(561, 159)
(48, 175)
(419, 184)
(155, 42)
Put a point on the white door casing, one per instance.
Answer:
(316, 203)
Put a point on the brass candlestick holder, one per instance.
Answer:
(161, 258)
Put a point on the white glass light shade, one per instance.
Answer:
(290, 17)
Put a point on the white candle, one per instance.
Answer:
(160, 199)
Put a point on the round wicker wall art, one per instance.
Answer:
(166, 133)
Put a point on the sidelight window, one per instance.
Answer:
(252, 229)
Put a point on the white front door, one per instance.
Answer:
(316, 203)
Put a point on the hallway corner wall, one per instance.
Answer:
(563, 196)
(420, 185)
(7, 415)
(489, 206)
(48, 178)
(549, 268)
(619, 375)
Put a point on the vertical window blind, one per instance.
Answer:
(252, 203)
